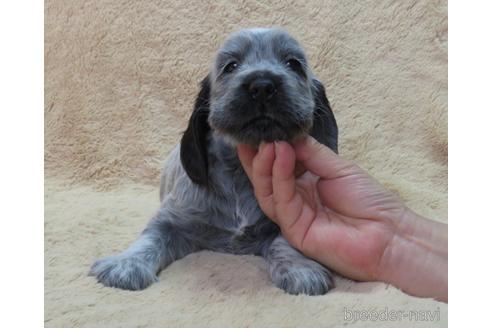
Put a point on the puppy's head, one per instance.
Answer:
(260, 88)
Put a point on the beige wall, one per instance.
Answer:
(121, 76)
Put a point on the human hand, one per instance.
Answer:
(339, 215)
(334, 213)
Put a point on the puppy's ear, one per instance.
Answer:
(193, 150)
(325, 129)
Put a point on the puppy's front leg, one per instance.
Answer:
(136, 268)
(295, 273)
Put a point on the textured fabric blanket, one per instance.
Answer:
(120, 81)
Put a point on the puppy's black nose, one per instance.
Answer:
(262, 89)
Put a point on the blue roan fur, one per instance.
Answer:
(260, 88)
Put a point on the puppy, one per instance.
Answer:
(260, 88)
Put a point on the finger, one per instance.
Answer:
(246, 155)
(295, 230)
(288, 203)
(261, 174)
(283, 179)
(262, 171)
(321, 160)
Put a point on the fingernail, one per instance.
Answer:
(276, 145)
(262, 146)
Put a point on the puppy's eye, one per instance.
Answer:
(231, 67)
(295, 65)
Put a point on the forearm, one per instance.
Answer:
(416, 260)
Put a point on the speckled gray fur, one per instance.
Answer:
(223, 215)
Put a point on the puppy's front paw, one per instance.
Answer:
(125, 272)
(307, 277)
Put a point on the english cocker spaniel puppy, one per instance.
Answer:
(260, 88)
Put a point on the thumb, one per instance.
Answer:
(321, 160)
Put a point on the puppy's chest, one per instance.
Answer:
(241, 209)
(236, 212)
(248, 228)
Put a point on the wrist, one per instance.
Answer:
(415, 260)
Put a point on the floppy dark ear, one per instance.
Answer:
(325, 128)
(193, 150)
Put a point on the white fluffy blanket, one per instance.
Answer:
(120, 81)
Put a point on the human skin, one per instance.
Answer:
(334, 212)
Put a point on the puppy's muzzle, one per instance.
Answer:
(262, 89)
(261, 86)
